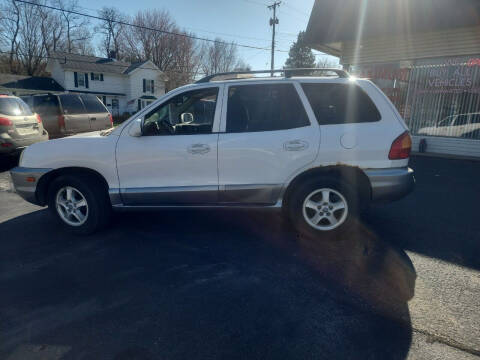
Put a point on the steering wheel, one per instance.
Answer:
(166, 126)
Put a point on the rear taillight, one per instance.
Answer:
(39, 119)
(401, 147)
(5, 122)
(61, 122)
(111, 119)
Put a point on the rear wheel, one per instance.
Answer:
(322, 206)
(80, 203)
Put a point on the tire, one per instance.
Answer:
(307, 205)
(84, 219)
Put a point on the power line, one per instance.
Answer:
(145, 27)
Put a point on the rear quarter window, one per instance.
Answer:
(46, 105)
(340, 103)
(14, 107)
(93, 104)
(72, 104)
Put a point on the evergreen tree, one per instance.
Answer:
(300, 55)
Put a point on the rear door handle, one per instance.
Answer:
(198, 149)
(295, 145)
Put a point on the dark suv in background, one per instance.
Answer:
(68, 114)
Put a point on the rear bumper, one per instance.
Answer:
(390, 184)
(27, 188)
(9, 145)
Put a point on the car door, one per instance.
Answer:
(97, 113)
(76, 118)
(174, 162)
(267, 138)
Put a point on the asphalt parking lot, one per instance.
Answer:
(243, 285)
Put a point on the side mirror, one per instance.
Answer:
(135, 128)
(186, 118)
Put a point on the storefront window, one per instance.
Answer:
(436, 97)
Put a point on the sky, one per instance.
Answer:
(242, 21)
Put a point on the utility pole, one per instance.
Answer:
(273, 22)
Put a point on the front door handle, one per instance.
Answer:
(93, 118)
(198, 149)
(295, 145)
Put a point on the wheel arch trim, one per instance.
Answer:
(41, 192)
(351, 175)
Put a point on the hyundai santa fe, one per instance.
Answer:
(320, 148)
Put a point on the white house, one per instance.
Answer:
(123, 87)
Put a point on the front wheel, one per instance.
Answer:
(322, 206)
(80, 203)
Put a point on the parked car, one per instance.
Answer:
(321, 148)
(459, 125)
(68, 114)
(19, 126)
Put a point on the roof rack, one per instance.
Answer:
(288, 73)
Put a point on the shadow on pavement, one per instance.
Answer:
(8, 162)
(201, 284)
(440, 219)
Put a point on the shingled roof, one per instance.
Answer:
(25, 82)
(95, 64)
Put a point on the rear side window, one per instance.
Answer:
(46, 105)
(92, 104)
(14, 107)
(267, 107)
(71, 104)
(340, 104)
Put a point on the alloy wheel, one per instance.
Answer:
(72, 207)
(325, 209)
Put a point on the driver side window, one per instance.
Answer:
(188, 113)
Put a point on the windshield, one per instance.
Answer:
(14, 107)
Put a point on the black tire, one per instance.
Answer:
(99, 207)
(299, 195)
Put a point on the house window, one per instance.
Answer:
(148, 86)
(81, 79)
(96, 76)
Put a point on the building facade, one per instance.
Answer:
(424, 55)
(123, 87)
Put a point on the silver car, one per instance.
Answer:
(19, 126)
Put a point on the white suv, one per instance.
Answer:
(321, 148)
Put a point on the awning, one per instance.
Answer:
(335, 21)
(148, 97)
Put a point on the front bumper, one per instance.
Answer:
(390, 184)
(25, 181)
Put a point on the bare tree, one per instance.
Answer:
(219, 57)
(75, 26)
(242, 66)
(52, 30)
(111, 30)
(9, 29)
(176, 55)
(327, 62)
(31, 51)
